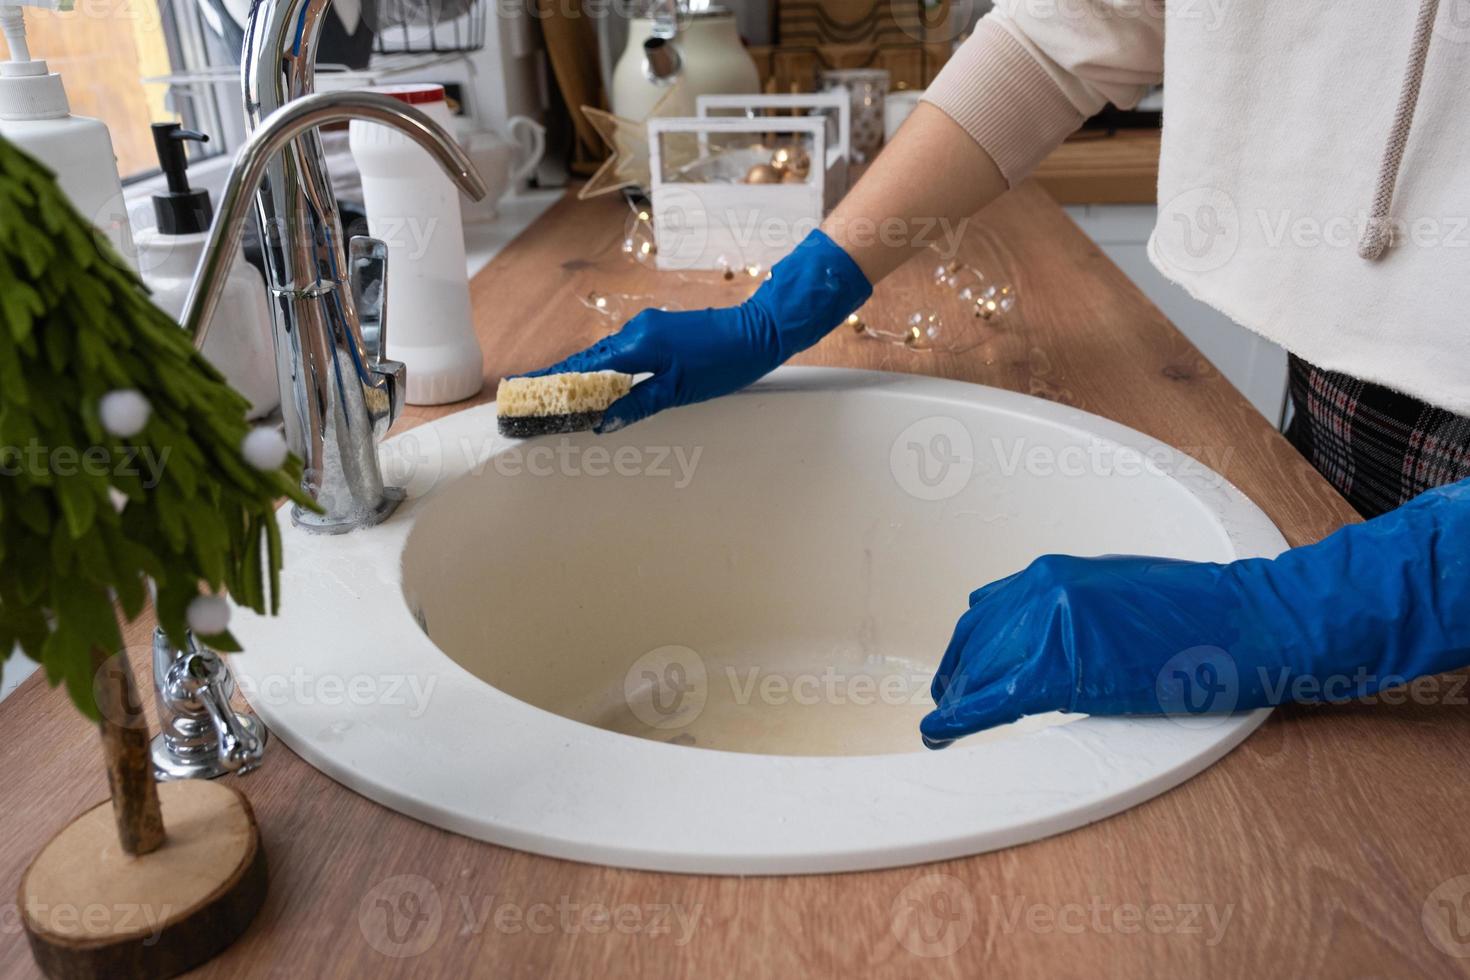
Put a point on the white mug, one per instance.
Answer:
(501, 164)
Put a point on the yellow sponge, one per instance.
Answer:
(557, 402)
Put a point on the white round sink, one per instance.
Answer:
(704, 643)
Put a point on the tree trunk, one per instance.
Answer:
(129, 766)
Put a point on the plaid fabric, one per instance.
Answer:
(1377, 447)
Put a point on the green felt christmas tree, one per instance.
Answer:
(125, 458)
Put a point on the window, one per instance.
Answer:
(104, 49)
(132, 63)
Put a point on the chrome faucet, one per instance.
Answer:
(339, 394)
(202, 735)
(339, 391)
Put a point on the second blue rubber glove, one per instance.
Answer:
(695, 355)
(1371, 606)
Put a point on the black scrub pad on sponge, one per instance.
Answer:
(556, 403)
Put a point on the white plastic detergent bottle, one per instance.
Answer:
(414, 208)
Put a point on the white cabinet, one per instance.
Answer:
(1253, 364)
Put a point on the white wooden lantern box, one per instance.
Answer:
(834, 105)
(705, 216)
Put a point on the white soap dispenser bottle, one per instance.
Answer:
(35, 116)
(239, 340)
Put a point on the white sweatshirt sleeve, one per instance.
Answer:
(1035, 69)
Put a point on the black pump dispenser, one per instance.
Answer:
(183, 210)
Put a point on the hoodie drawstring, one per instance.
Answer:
(1378, 231)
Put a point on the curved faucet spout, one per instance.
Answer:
(279, 129)
(339, 395)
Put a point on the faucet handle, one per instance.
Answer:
(367, 264)
(202, 677)
(201, 735)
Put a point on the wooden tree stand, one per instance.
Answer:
(151, 882)
(92, 910)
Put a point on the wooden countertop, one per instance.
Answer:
(1094, 167)
(1309, 850)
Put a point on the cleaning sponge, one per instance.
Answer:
(556, 402)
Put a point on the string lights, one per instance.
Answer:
(958, 308)
(977, 311)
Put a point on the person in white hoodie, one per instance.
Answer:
(1314, 185)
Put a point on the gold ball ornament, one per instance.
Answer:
(762, 173)
(792, 159)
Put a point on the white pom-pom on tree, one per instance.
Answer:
(124, 412)
(208, 615)
(264, 448)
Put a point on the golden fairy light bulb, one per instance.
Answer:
(646, 248)
(643, 216)
(856, 322)
(753, 270)
(994, 301)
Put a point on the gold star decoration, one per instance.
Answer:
(627, 164)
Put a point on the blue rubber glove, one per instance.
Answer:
(1372, 606)
(695, 355)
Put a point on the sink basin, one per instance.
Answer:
(704, 643)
